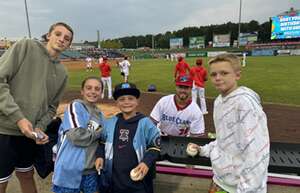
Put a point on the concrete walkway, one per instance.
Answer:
(163, 184)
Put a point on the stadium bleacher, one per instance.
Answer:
(72, 54)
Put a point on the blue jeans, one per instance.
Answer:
(88, 185)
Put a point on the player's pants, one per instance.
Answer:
(199, 91)
(125, 74)
(244, 63)
(89, 66)
(106, 81)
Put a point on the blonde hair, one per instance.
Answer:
(232, 59)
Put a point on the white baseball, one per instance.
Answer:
(135, 176)
(191, 150)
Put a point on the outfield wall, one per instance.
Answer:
(194, 53)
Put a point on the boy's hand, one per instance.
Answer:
(40, 137)
(192, 149)
(26, 127)
(143, 169)
(99, 163)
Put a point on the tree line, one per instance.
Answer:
(162, 40)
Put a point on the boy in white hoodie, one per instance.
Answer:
(240, 153)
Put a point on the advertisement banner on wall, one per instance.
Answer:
(215, 53)
(221, 40)
(197, 54)
(197, 42)
(247, 38)
(263, 52)
(295, 52)
(176, 43)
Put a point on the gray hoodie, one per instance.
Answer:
(31, 84)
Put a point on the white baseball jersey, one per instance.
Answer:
(124, 65)
(172, 121)
(88, 61)
(100, 60)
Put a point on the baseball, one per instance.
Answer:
(191, 150)
(135, 176)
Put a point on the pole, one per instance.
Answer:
(239, 31)
(152, 42)
(98, 39)
(27, 18)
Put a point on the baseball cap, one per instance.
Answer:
(184, 80)
(199, 61)
(104, 57)
(180, 58)
(126, 89)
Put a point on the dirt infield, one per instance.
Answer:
(283, 121)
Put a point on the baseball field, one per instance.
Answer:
(275, 79)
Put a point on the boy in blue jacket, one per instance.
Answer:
(132, 142)
(74, 169)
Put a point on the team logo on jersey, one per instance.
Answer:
(184, 129)
(93, 126)
(157, 142)
(176, 120)
(124, 135)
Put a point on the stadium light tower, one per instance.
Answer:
(27, 18)
(153, 42)
(239, 31)
(98, 39)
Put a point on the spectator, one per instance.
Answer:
(240, 154)
(78, 134)
(32, 82)
(132, 142)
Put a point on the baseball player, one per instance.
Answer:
(88, 63)
(105, 77)
(125, 66)
(244, 59)
(199, 76)
(177, 114)
(100, 59)
(181, 68)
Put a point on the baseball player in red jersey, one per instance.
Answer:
(178, 115)
(199, 76)
(181, 68)
(105, 76)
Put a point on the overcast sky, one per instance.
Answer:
(119, 18)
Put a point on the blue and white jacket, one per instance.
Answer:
(146, 143)
(78, 142)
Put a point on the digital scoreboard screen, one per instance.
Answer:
(285, 27)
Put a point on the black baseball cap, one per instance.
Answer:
(126, 88)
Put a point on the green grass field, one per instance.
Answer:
(275, 79)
